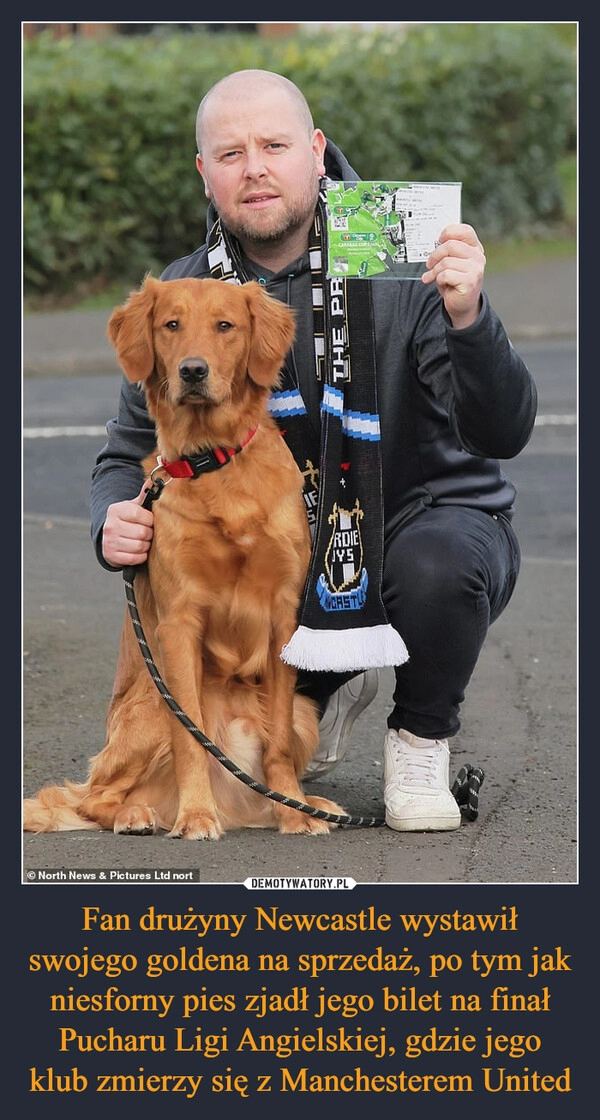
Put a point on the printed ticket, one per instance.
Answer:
(387, 229)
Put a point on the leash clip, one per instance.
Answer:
(158, 485)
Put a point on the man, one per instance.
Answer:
(453, 397)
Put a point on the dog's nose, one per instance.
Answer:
(193, 370)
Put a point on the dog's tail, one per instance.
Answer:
(55, 809)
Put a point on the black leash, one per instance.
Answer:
(465, 788)
(336, 818)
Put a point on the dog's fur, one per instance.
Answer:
(219, 595)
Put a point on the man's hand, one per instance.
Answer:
(457, 265)
(127, 532)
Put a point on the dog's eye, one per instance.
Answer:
(172, 325)
(224, 326)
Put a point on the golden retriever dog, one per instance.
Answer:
(219, 594)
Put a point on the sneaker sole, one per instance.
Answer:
(366, 697)
(423, 824)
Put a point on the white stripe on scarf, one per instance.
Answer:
(359, 425)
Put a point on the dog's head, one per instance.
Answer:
(205, 343)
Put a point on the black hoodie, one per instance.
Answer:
(451, 402)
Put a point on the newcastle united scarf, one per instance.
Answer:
(343, 624)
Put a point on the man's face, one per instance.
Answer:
(261, 166)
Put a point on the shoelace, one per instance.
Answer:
(419, 763)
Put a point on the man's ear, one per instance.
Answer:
(200, 169)
(273, 331)
(319, 144)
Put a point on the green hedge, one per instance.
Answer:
(110, 187)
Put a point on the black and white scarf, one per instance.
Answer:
(343, 624)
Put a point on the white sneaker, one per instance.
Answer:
(337, 721)
(416, 786)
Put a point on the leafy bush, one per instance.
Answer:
(110, 187)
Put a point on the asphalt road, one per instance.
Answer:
(519, 719)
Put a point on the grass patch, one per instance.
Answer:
(109, 298)
(513, 256)
(567, 173)
(508, 256)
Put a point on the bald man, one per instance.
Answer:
(453, 399)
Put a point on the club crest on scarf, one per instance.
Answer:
(343, 585)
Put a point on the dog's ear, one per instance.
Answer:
(273, 331)
(130, 331)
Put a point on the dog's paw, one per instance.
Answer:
(196, 826)
(136, 820)
(327, 806)
(294, 821)
(315, 826)
(302, 824)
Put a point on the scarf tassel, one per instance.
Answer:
(338, 651)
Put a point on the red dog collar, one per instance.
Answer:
(191, 466)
